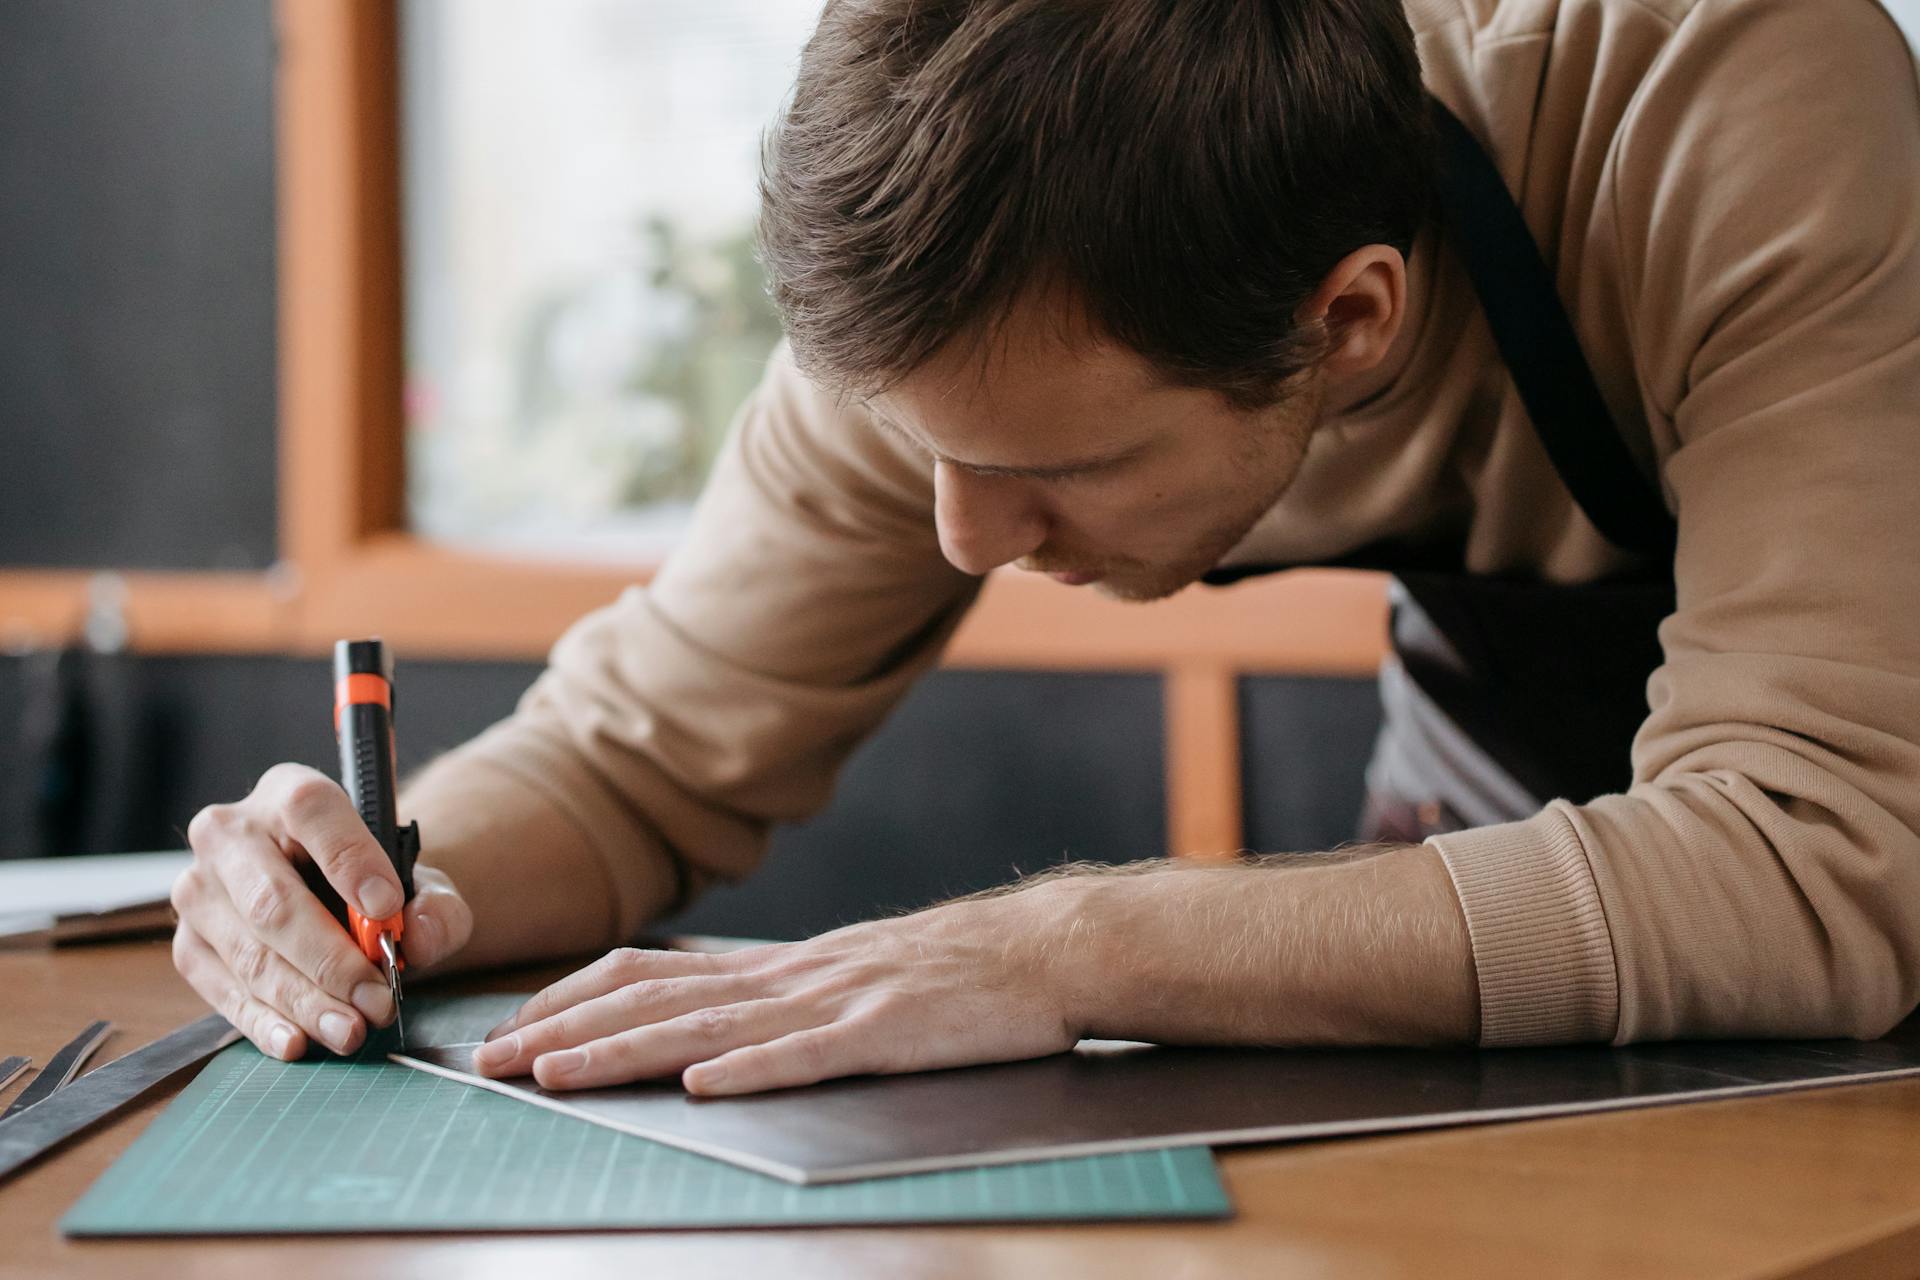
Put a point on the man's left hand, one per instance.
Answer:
(966, 982)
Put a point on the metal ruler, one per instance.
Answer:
(60, 1069)
(31, 1133)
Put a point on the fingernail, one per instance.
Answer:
(564, 1062)
(499, 1030)
(707, 1075)
(378, 898)
(372, 999)
(495, 1052)
(337, 1030)
(281, 1038)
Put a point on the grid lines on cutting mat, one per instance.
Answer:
(260, 1146)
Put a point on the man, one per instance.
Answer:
(1139, 291)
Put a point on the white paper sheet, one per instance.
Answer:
(36, 893)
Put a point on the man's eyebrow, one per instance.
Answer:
(1060, 470)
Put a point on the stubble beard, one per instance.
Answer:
(1270, 462)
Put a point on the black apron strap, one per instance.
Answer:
(1537, 341)
(1516, 690)
(1547, 682)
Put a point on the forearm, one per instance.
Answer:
(1307, 951)
(532, 899)
(538, 887)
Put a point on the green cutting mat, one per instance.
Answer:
(258, 1146)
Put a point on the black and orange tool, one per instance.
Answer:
(363, 722)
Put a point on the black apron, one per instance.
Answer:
(1547, 682)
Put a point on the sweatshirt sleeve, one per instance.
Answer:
(672, 727)
(1761, 876)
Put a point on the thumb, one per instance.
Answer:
(438, 920)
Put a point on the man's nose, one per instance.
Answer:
(984, 521)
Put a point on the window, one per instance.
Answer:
(514, 208)
(584, 313)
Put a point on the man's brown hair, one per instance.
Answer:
(1188, 169)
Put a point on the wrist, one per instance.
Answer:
(1079, 942)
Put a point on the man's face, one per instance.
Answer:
(1069, 458)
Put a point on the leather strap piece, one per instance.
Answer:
(1537, 342)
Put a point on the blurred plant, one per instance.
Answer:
(716, 360)
(625, 386)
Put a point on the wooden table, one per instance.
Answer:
(1821, 1184)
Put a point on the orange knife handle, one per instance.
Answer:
(366, 934)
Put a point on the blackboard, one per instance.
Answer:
(137, 339)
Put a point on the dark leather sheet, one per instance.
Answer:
(1107, 1097)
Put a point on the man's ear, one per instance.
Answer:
(1363, 302)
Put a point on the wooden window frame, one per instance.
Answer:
(348, 565)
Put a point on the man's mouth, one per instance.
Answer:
(1076, 578)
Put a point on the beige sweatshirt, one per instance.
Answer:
(1731, 192)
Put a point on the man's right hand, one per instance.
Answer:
(257, 944)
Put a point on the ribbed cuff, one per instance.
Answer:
(1541, 946)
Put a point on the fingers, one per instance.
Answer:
(258, 902)
(438, 920)
(804, 1057)
(315, 813)
(271, 1033)
(638, 1004)
(264, 950)
(669, 1047)
(266, 977)
(609, 973)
